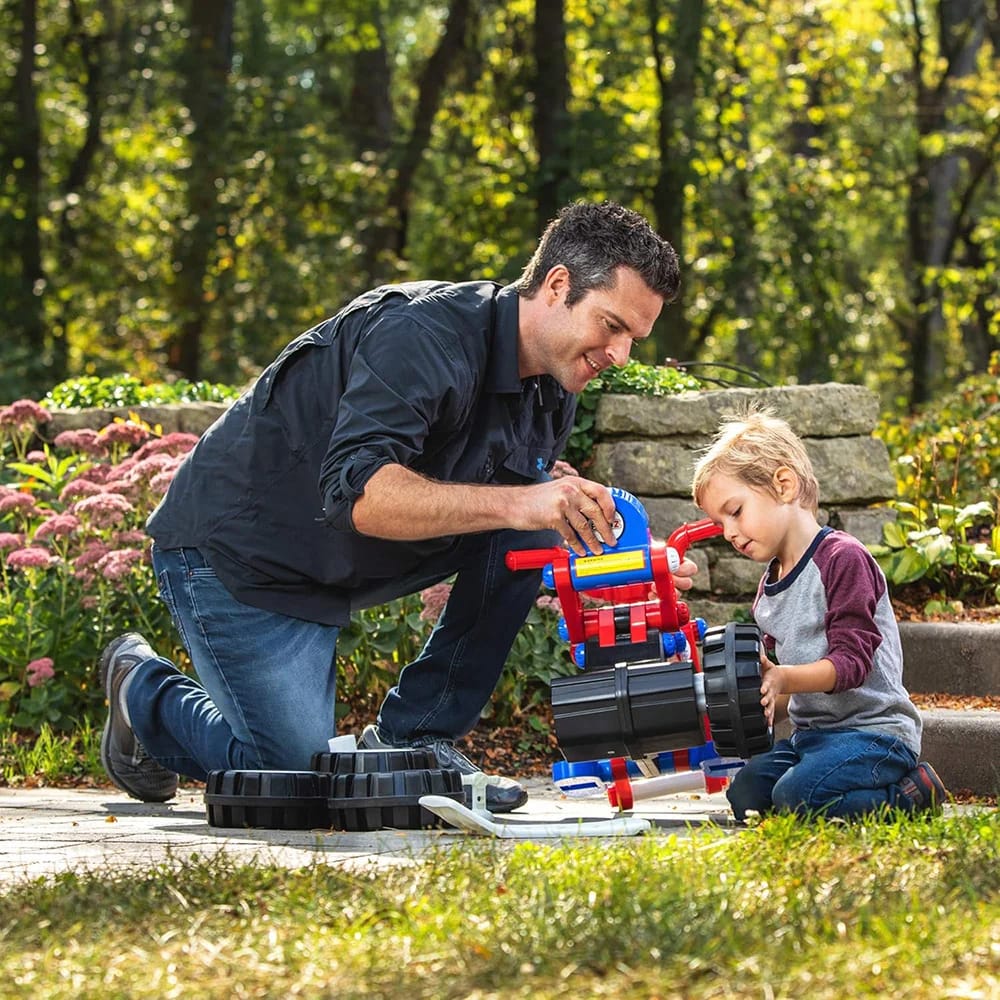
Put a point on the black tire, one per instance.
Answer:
(731, 660)
(364, 802)
(270, 800)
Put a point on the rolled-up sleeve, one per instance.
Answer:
(403, 381)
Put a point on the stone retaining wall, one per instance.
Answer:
(191, 418)
(649, 446)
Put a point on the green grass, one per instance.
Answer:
(907, 908)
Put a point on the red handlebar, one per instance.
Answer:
(532, 558)
(688, 534)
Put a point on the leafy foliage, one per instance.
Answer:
(75, 568)
(949, 451)
(129, 390)
(801, 116)
(944, 549)
(946, 460)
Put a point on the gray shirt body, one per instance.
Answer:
(835, 604)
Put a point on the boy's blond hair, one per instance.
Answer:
(751, 446)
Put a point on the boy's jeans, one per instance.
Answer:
(265, 691)
(836, 772)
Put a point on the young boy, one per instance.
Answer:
(831, 657)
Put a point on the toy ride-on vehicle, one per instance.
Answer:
(646, 714)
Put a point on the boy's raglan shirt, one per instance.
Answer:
(835, 604)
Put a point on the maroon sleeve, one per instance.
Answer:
(854, 586)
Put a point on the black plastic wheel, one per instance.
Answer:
(270, 800)
(363, 802)
(731, 660)
(374, 761)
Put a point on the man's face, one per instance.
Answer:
(581, 340)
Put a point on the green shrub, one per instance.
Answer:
(956, 551)
(949, 452)
(946, 460)
(127, 390)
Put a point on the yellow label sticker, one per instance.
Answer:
(613, 562)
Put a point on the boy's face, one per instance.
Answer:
(754, 522)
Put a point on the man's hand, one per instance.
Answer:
(580, 510)
(682, 575)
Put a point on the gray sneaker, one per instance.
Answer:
(123, 756)
(500, 798)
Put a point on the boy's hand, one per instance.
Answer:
(771, 685)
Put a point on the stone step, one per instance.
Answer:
(964, 747)
(951, 657)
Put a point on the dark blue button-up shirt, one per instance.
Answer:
(422, 375)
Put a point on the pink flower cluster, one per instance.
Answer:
(24, 414)
(10, 540)
(30, 557)
(39, 671)
(125, 433)
(59, 526)
(103, 510)
(117, 564)
(12, 500)
(548, 602)
(84, 441)
(434, 599)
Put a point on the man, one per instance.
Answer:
(407, 439)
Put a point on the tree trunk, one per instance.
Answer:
(430, 90)
(206, 65)
(94, 58)
(941, 186)
(23, 156)
(551, 109)
(675, 139)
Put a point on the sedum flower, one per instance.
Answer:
(434, 599)
(39, 671)
(79, 488)
(124, 433)
(11, 501)
(10, 540)
(103, 510)
(59, 526)
(176, 443)
(30, 557)
(118, 564)
(85, 441)
(25, 413)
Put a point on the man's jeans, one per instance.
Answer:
(266, 683)
(834, 772)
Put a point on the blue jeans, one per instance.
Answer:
(265, 691)
(837, 772)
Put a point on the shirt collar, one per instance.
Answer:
(502, 375)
